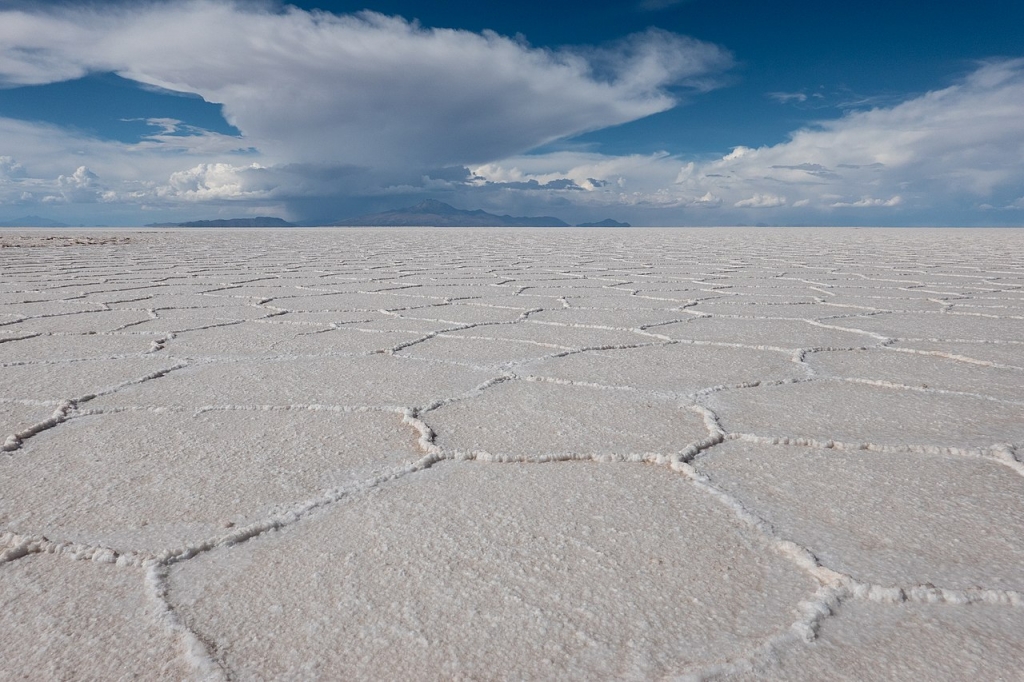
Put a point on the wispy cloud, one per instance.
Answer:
(787, 97)
(655, 5)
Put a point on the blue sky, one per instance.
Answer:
(651, 111)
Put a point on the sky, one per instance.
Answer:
(655, 112)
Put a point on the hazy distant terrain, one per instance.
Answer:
(432, 213)
(262, 221)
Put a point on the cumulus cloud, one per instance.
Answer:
(313, 87)
(376, 108)
(965, 140)
(215, 181)
(707, 200)
(10, 168)
(761, 201)
(943, 152)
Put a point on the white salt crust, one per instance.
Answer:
(513, 454)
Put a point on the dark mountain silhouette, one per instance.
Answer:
(432, 213)
(32, 221)
(607, 222)
(260, 221)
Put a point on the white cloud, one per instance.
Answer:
(787, 97)
(215, 181)
(761, 201)
(964, 140)
(366, 105)
(940, 152)
(708, 200)
(868, 202)
(312, 87)
(10, 168)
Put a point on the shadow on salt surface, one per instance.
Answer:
(149, 481)
(539, 419)
(906, 643)
(514, 571)
(66, 620)
(885, 518)
(681, 368)
(855, 413)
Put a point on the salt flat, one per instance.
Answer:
(512, 454)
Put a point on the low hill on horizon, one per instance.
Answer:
(32, 221)
(607, 222)
(433, 213)
(259, 221)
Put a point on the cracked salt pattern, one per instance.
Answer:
(770, 454)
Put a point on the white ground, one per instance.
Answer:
(512, 454)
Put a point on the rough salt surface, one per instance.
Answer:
(65, 620)
(151, 480)
(903, 519)
(906, 643)
(501, 571)
(758, 454)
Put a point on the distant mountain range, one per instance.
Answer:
(32, 221)
(259, 221)
(430, 213)
(607, 222)
(433, 213)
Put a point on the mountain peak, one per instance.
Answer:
(32, 221)
(431, 206)
(434, 213)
